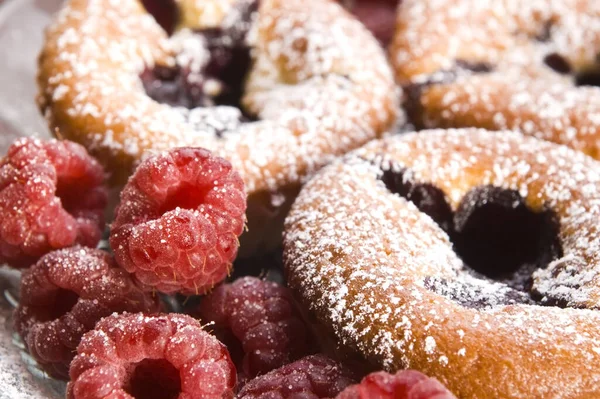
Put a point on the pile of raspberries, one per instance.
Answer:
(94, 317)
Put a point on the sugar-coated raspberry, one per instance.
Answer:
(262, 316)
(138, 356)
(64, 294)
(51, 196)
(405, 384)
(312, 377)
(176, 228)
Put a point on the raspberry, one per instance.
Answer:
(177, 225)
(51, 196)
(64, 295)
(312, 377)
(405, 384)
(262, 316)
(164, 357)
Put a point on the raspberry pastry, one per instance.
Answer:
(278, 87)
(469, 255)
(503, 64)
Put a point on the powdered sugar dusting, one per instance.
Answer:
(360, 256)
(307, 86)
(514, 39)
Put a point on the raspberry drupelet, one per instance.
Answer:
(52, 196)
(177, 225)
(64, 294)
(262, 316)
(151, 357)
(405, 384)
(312, 377)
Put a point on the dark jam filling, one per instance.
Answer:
(226, 68)
(496, 235)
(165, 12)
(413, 92)
(559, 64)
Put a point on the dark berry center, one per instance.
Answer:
(493, 231)
(588, 78)
(220, 81)
(154, 379)
(412, 93)
(557, 63)
(63, 302)
(165, 12)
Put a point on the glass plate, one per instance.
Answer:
(22, 24)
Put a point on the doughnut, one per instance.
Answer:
(529, 66)
(279, 88)
(469, 255)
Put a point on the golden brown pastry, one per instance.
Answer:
(469, 255)
(279, 89)
(503, 64)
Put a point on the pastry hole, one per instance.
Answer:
(165, 12)
(154, 379)
(497, 235)
(557, 63)
(588, 78)
(428, 198)
(493, 231)
(216, 78)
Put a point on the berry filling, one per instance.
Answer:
(497, 236)
(379, 16)
(154, 379)
(211, 67)
(165, 12)
(413, 92)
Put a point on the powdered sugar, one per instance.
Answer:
(375, 297)
(535, 50)
(307, 113)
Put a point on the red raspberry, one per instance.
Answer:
(64, 295)
(164, 357)
(51, 196)
(312, 377)
(262, 316)
(405, 384)
(177, 225)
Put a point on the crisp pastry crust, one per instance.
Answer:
(504, 64)
(319, 85)
(362, 258)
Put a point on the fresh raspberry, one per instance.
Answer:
(262, 316)
(177, 225)
(312, 377)
(64, 295)
(51, 196)
(164, 357)
(405, 384)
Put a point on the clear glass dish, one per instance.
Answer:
(22, 25)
